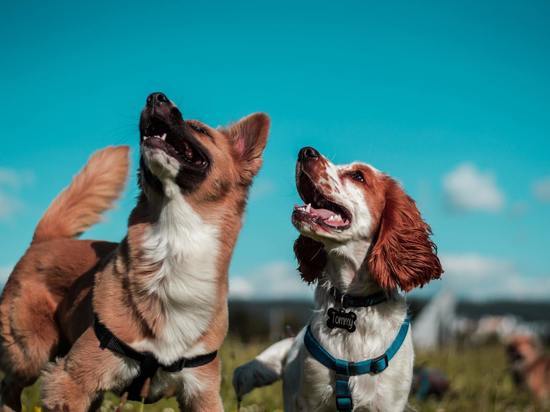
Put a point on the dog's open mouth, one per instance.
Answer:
(318, 208)
(158, 135)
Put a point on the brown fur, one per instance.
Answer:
(91, 192)
(530, 366)
(29, 333)
(403, 254)
(47, 306)
(311, 257)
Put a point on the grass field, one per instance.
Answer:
(479, 383)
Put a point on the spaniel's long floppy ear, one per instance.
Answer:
(249, 137)
(311, 257)
(403, 254)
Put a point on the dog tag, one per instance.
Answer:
(341, 319)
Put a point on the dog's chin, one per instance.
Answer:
(166, 174)
(160, 164)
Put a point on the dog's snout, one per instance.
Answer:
(307, 153)
(157, 99)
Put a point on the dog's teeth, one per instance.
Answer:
(163, 137)
(145, 138)
(308, 208)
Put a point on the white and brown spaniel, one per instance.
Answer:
(362, 239)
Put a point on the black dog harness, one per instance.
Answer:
(148, 363)
(351, 301)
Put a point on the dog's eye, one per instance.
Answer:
(198, 129)
(357, 175)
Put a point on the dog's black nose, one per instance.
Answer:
(307, 153)
(156, 99)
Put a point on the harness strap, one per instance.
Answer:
(148, 363)
(351, 301)
(344, 369)
(342, 393)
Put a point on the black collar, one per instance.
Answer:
(148, 363)
(350, 301)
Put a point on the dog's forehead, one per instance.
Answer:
(204, 126)
(359, 165)
(207, 134)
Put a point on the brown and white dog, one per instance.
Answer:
(361, 233)
(529, 366)
(162, 289)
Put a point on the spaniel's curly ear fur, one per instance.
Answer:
(311, 257)
(403, 254)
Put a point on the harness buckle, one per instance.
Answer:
(379, 364)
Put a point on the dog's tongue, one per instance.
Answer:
(328, 216)
(322, 213)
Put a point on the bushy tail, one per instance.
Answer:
(91, 192)
(264, 370)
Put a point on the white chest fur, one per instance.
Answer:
(376, 330)
(186, 283)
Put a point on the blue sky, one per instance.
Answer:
(451, 98)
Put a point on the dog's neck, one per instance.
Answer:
(350, 276)
(168, 231)
(345, 270)
(176, 273)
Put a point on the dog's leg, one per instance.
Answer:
(201, 389)
(63, 390)
(72, 384)
(28, 339)
(264, 370)
(207, 401)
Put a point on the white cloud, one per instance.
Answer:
(472, 266)
(475, 276)
(8, 205)
(467, 188)
(468, 275)
(241, 288)
(272, 280)
(15, 178)
(541, 189)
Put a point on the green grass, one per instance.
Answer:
(479, 378)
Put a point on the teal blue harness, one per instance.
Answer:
(344, 369)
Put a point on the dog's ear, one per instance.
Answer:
(311, 257)
(249, 137)
(403, 255)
